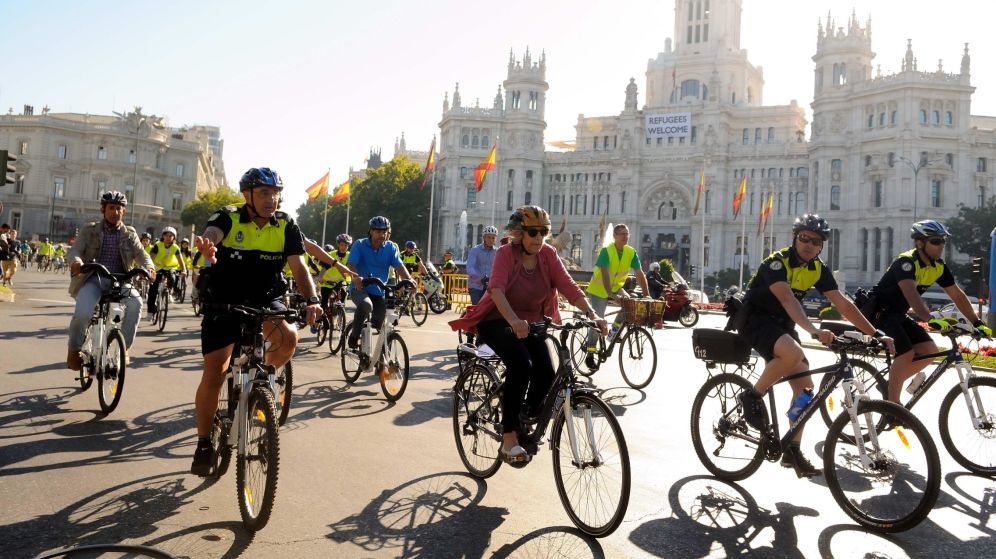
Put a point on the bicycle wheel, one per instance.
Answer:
(196, 304)
(577, 346)
(638, 358)
(477, 420)
(284, 389)
(111, 377)
(724, 442)
(163, 309)
(874, 385)
(337, 324)
(351, 365)
(972, 447)
(86, 369)
(395, 357)
(256, 471)
(688, 317)
(437, 303)
(222, 429)
(321, 330)
(889, 481)
(419, 309)
(181, 291)
(593, 486)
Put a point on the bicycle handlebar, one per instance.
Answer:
(370, 280)
(255, 312)
(539, 329)
(126, 277)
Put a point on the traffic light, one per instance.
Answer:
(7, 164)
(977, 265)
(691, 270)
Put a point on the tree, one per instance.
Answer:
(198, 211)
(667, 269)
(727, 278)
(970, 235)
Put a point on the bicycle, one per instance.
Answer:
(586, 441)
(333, 321)
(637, 356)
(180, 289)
(888, 481)
(978, 415)
(388, 355)
(162, 301)
(415, 305)
(249, 405)
(104, 353)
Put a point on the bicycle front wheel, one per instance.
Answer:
(420, 309)
(890, 480)
(282, 398)
(163, 308)
(594, 483)
(87, 371)
(321, 330)
(724, 442)
(256, 471)
(638, 358)
(350, 358)
(974, 447)
(337, 324)
(111, 377)
(394, 382)
(477, 420)
(577, 346)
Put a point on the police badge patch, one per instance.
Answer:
(907, 266)
(239, 237)
(775, 265)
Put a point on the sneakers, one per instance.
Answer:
(753, 409)
(73, 360)
(203, 459)
(794, 458)
(353, 343)
(590, 362)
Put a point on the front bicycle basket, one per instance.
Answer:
(719, 346)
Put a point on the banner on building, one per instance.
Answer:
(668, 125)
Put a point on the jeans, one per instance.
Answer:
(475, 295)
(365, 303)
(598, 305)
(161, 276)
(87, 300)
(527, 363)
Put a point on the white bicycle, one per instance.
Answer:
(388, 355)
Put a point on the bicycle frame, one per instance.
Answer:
(391, 318)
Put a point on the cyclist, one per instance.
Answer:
(45, 251)
(59, 253)
(412, 260)
(116, 246)
(772, 309)
(338, 272)
(373, 256)
(898, 292)
(147, 241)
(247, 247)
(611, 270)
(525, 279)
(10, 257)
(479, 262)
(166, 254)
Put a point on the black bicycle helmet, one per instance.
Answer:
(328, 248)
(410, 244)
(380, 222)
(811, 222)
(928, 228)
(344, 238)
(113, 197)
(147, 235)
(263, 176)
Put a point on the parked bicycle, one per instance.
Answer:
(249, 405)
(388, 354)
(104, 352)
(888, 481)
(590, 458)
(637, 354)
(967, 417)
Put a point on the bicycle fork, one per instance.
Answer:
(976, 411)
(572, 435)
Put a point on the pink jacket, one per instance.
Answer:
(508, 262)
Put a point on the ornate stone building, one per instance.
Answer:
(66, 160)
(876, 141)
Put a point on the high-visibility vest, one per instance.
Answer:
(332, 275)
(618, 271)
(166, 258)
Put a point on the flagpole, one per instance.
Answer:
(325, 219)
(702, 241)
(432, 197)
(743, 246)
(494, 191)
(349, 202)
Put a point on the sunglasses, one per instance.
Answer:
(937, 242)
(533, 231)
(815, 241)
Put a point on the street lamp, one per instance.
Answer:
(923, 162)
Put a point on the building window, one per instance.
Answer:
(463, 172)
(101, 153)
(576, 247)
(465, 141)
(63, 151)
(923, 120)
(892, 159)
(836, 164)
(864, 250)
(771, 135)
(177, 201)
(475, 141)
(485, 141)
(871, 121)
(690, 88)
(757, 135)
(949, 159)
(746, 136)
(129, 191)
(881, 119)
(935, 117)
(835, 197)
(893, 118)
(508, 202)
(877, 195)
(800, 203)
(529, 198)
(868, 161)
(15, 220)
(471, 196)
(980, 165)
(948, 118)
(101, 187)
(23, 148)
(878, 249)
(132, 158)
(935, 193)
(19, 186)
(515, 99)
(60, 187)
(533, 100)
(179, 169)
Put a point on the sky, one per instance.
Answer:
(310, 86)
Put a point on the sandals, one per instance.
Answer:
(517, 457)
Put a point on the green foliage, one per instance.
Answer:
(829, 313)
(667, 269)
(390, 190)
(970, 230)
(728, 277)
(197, 212)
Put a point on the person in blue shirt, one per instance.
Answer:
(373, 257)
(479, 263)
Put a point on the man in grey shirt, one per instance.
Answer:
(479, 263)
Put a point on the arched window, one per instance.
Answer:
(529, 198)
(935, 117)
(923, 116)
(465, 142)
(871, 121)
(475, 141)
(771, 134)
(690, 88)
(746, 136)
(948, 118)
(757, 135)
(881, 119)
(893, 118)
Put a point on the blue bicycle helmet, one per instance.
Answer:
(380, 222)
(263, 176)
(410, 244)
(928, 228)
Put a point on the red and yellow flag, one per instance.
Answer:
(482, 170)
(739, 197)
(698, 195)
(765, 212)
(340, 193)
(429, 164)
(317, 189)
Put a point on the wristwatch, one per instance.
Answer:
(314, 300)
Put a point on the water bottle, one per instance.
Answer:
(616, 325)
(799, 404)
(916, 382)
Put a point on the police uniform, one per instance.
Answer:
(411, 262)
(332, 276)
(767, 319)
(891, 306)
(249, 262)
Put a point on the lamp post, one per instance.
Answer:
(924, 162)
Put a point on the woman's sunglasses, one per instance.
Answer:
(533, 231)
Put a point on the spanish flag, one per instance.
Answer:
(765, 212)
(430, 164)
(340, 193)
(698, 195)
(482, 170)
(739, 197)
(319, 188)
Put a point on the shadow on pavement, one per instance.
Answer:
(553, 541)
(320, 400)
(49, 332)
(434, 516)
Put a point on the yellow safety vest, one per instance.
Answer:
(166, 257)
(800, 278)
(618, 271)
(148, 248)
(332, 275)
(45, 249)
(925, 275)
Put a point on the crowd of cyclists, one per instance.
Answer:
(254, 254)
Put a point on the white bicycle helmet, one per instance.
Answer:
(168, 230)
(490, 230)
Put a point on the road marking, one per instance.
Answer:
(61, 302)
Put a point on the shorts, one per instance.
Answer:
(763, 331)
(903, 330)
(219, 328)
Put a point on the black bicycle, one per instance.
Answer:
(967, 416)
(888, 481)
(590, 457)
(250, 404)
(333, 321)
(637, 352)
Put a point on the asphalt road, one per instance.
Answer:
(360, 477)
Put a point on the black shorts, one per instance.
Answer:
(219, 328)
(763, 331)
(903, 329)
